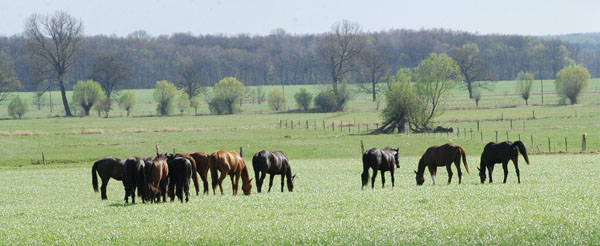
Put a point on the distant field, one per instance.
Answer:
(557, 202)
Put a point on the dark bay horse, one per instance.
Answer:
(107, 168)
(444, 155)
(157, 178)
(180, 172)
(233, 164)
(134, 177)
(501, 153)
(194, 176)
(379, 160)
(202, 166)
(273, 163)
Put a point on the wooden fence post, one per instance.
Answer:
(549, 146)
(43, 159)
(506, 135)
(511, 124)
(279, 124)
(519, 137)
(477, 125)
(332, 126)
(362, 147)
(532, 141)
(307, 125)
(566, 145)
(285, 124)
(583, 143)
(324, 126)
(496, 136)
(481, 135)
(471, 133)
(241, 152)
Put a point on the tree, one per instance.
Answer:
(195, 103)
(435, 77)
(104, 105)
(55, 40)
(39, 99)
(524, 83)
(373, 67)
(402, 103)
(476, 95)
(571, 81)
(229, 91)
(191, 80)
(9, 81)
(471, 66)
(343, 44)
(109, 72)
(260, 95)
(539, 58)
(86, 94)
(127, 101)
(303, 99)
(164, 95)
(17, 107)
(275, 98)
(183, 102)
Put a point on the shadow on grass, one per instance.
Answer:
(122, 204)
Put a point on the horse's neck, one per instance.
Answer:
(421, 168)
(245, 174)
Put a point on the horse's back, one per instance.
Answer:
(498, 152)
(372, 157)
(260, 161)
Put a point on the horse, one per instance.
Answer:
(233, 164)
(180, 172)
(444, 155)
(134, 177)
(202, 166)
(194, 176)
(107, 168)
(379, 159)
(273, 163)
(157, 177)
(501, 153)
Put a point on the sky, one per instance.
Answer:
(261, 17)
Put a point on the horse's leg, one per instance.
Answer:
(490, 171)
(449, 169)
(172, 191)
(432, 171)
(103, 187)
(271, 181)
(204, 177)
(221, 178)
(505, 167)
(282, 178)
(373, 178)
(382, 179)
(260, 181)
(132, 194)
(516, 162)
(459, 172)
(237, 181)
(163, 189)
(235, 178)
(392, 173)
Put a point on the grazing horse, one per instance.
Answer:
(134, 177)
(233, 164)
(444, 155)
(379, 159)
(273, 163)
(202, 166)
(157, 178)
(180, 172)
(501, 153)
(194, 165)
(107, 168)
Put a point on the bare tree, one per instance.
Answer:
(471, 66)
(55, 39)
(9, 81)
(373, 67)
(109, 72)
(191, 79)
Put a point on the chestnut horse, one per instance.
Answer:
(194, 176)
(180, 172)
(501, 153)
(157, 178)
(273, 163)
(107, 168)
(202, 166)
(444, 155)
(134, 177)
(379, 160)
(233, 164)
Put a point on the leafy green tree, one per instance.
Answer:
(17, 107)
(195, 103)
(326, 101)
(229, 91)
(127, 101)
(471, 66)
(260, 94)
(303, 99)
(402, 103)
(9, 81)
(539, 54)
(104, 105)
(524, 83)
(164, 96)
(435, 77)
(275, 99)
(183, 102)
(571, 81)
(39, 99)
(476, 95)
(86, 93)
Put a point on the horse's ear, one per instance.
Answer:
(478, 169)
(293, 177)
(416, 172)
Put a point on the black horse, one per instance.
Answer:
(134, 177)
(379, 159)
(501, 153)
(180, 173)
(273, 163)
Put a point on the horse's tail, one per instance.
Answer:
(94, 178)
(212, 160)
(522, 149)
(463, 153)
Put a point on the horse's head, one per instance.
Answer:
(290, 183)
(420, 179)
(396, 157)
(247, 187)
(482, 174)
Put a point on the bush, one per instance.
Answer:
(276, 99)
(524, 83)
(195, 103)
(86, 94)
(476, 95)
(326, 101)
(17, 107)
(164, 95)
(227, 92)
(571, 81)
(103, 105)
(127, 101)
(217, 106)
(303, 99)
(183, 102)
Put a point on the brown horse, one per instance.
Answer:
(202, 166)
(444, 155)
(157, 178)
(233, 164)
(194, 176)
(107, 168)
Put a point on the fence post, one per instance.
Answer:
(566, 145)
(332, 126)
(583, 147)
(477, 125)
(362, 147)
(315, 124)
(481, 135)
(367, 127)
(533, 113)
(511, 124)
(471, 133)
(496, 136)
(519, 137)
(241, 152)
(341, 126)
(458, 131)
(279, 124)
(285, 124)
(506, 135)
(532, 141)
(465, 131)
(324, 126)
(43, 159)
(549, 146)
(307, 125)
(376, 125)
(502, 117)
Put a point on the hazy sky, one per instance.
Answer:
(122, 17)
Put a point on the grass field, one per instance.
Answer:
(556, 204)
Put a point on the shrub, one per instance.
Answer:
(229, 91)
(86, 94)
(17, 107)
(325, 101)
(164, 95)
(524, 83)
(183, 102)
(303, 99)
(276, 99)
(103, 105)
(570, 81)
(127, 101)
